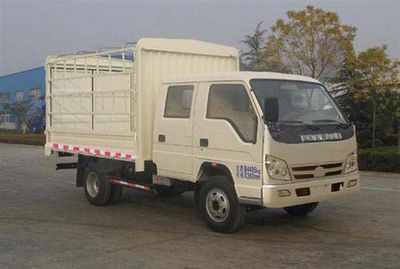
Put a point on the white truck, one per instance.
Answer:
(177, 115)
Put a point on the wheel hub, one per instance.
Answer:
(217, 205)
(92, 184)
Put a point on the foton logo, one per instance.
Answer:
(320, 137)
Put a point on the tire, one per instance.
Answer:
(220, 207)
(169, 192)
(301, 210)
(96, 185)
(115, 194)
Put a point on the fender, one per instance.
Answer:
(208, 169)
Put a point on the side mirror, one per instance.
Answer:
(271, 109)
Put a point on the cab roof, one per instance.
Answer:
(239, 76)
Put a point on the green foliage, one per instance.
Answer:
(374, 74)
(384, 159)
(254, 43)
(375, 80)
(310, 42)
(391, 104)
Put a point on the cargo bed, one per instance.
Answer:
(102, 103)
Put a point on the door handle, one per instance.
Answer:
(161, 138)
(203, 142)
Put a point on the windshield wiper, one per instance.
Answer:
(340, 123)
(291, 121)
(299, 122)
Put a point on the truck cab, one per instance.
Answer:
(278, 140)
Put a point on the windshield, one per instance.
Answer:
(299, 102)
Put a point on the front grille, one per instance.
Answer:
(332, 165)
(305, 176)
(316, 171)
(304, 168)
(333, 173)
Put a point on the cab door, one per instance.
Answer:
(228, 131)
(173, 130)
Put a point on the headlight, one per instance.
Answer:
(351, 163)
(277, 168)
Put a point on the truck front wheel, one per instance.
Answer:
(301, 210)
(220, 207)
(96, 185)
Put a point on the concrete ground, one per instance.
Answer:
(46, 222)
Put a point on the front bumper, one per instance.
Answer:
(310, 191)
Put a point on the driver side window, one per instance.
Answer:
(231, 102)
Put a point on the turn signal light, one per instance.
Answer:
(283, 193)
(351, 183)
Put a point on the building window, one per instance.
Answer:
(4, 117)
(5, 98)
(179, 102)
(231, 102)
(34, 94)
(19, 96)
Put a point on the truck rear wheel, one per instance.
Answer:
(220, 207)
(301, 210)
(97, 187)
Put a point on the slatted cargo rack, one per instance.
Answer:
(102, 103)
(92, 93)
(65, 70)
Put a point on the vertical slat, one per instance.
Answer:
(130, 104)
(123, 61)
(97, 65)
(93, 102)
(49, 71)
(109, 63)
(65, 69)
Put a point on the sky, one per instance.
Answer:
(32, 30)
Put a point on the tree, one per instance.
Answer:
(392, 106)
(255, 46)
(310, 42)
(375, 77)
(341, 90)
(21, 111)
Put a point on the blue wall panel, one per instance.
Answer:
(25, 81)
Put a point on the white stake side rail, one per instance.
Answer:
(103, 102)
(69, 101)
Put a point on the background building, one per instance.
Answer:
(27, 90)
